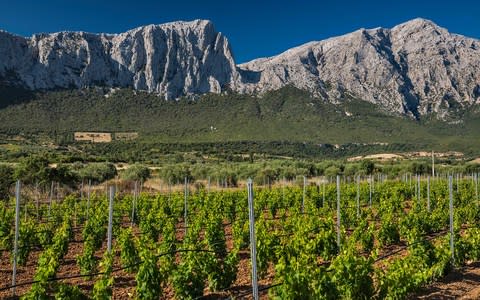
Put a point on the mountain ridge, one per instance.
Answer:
(378, 65)
(172, 59)
(415, 68)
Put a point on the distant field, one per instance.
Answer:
(94, 137)
(104, 137)
(125, 136)
(407, 155)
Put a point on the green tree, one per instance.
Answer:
(64, 174)
(266, 175)
(420, 168)
(368, 167)
(227, 175)
(137, 172)
(351, 169)
(34, 169)
(332, 171)
(472, 168)
(97, 172)
(6, 180)
(176, 174)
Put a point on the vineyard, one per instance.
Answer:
(353, 238)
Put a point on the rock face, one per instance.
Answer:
(415, 68)
(173, 59)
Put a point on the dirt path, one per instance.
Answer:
(463, 283)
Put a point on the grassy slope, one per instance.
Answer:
(284, 115)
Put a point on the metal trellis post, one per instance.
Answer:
(253, 242)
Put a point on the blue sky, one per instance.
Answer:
(254, 28)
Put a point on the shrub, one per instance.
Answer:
(137, 172)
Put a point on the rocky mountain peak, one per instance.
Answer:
(415, 68)
(419, 25)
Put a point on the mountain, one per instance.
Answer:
(173, 59)
(416, 68)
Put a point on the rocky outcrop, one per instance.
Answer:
(414, 68)
(173, 59)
